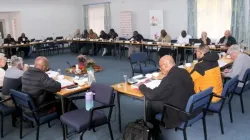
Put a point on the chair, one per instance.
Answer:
(240, 90)
(228, 89)
(138, 62)
(60, 43)
(6, 111)
(25, 102)
(195, 111)
(81, 120)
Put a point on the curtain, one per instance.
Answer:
(107, 17)
(192, 18)
(238, 20)
(248, 24)
(213, 17)
(86, 16)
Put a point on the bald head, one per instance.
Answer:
(227, 33)
(166, 63)
(41, 63)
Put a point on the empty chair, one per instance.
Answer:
(60, 43)
(82, 120)
(26, 104)
(217, 107)
(6, 111)
(244, 85)
(195, 111)
(138, 62)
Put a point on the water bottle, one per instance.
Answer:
(89, 101)
(91, 76)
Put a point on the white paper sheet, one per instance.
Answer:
(65, 83)
(222, 63)
(153, 84)
(181, 66)
(52, 74)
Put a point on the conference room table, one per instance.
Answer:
(64, 93)
(129, 91)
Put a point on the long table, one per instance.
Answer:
(128, 90)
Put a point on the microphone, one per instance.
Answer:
(69, 64)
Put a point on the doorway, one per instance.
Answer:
(1, 30)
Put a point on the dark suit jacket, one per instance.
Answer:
(20, 40)
(175, 89)
(139, 37)
(105, 36)
(113, 36)
(208, 41)
(9, 41)
(231, 41)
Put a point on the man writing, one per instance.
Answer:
(206, 72)
(39, 85)
(175, 89)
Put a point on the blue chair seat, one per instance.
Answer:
(42, 119)
(215, 106)
(76, 120)
(6, 110)
(145, 69)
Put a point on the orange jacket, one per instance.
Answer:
(206, 73)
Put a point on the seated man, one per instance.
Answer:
(39, 85)
(183, 39)
(164, 38)
(175, 89)
(206, 72)
(10, 51)
(136, 37)
(227, 40)
(12, 79)
(23, 39)
(2, 65)
(240, 65)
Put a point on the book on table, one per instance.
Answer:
(65, 83)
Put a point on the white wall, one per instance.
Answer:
(45, 17)
(175, 14)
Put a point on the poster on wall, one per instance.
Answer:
(126, 24)
(155, 23)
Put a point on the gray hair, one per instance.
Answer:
(15, 61)
(233, 48)
(2, 56)
(204, 48)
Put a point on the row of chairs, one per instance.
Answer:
(80, 120)
(202, 102)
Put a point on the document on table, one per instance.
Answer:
(153, 84)
(52, 74)
(222, 63)
(181, 66)
(65, 83)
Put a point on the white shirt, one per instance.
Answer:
(2, 73)
(181, 40)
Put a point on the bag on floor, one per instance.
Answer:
(137, 130)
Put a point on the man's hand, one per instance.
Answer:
(26, 67)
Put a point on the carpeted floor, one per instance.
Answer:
(132, 109)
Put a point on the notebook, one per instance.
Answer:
(65, 83)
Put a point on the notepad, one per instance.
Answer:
(52, 74)
(153, 84)
(65, 83)
(222, 63)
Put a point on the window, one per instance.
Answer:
(214, 17)
(96, 17)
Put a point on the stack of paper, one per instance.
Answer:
(153, 84)
(222, 63)
(65, 83)
(52, 74)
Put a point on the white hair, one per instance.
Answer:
(233, 48)
(15, 61)
(2, 56)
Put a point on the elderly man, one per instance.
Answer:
(227, 40)
(175, 89)
(39, 85)
(2, 65)
(183, 39)
(12, 78)
(206, 72)
(23, 39)
(240, 65)
(10, 51)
